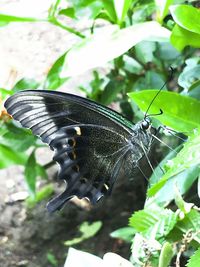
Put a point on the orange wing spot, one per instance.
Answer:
(4, 116)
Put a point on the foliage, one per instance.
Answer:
(87, 230)
(136, 45)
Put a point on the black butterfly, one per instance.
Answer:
(93, 144)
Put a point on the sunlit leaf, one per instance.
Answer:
(155, 220)
(9, 157)
(5, 19)
(179, 112)
(162, 8)
(181, 38)
(188, 157)
(25, 84)
(194, 259)
(166, 255)
(87, 230)
(110, 43)
(53, 80)
(186, 16)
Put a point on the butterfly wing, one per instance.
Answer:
(89, 140)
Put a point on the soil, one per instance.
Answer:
(27, 235)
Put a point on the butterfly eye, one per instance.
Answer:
(145, 124)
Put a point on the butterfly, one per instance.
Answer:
(93, 144)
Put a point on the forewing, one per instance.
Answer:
(88, 144)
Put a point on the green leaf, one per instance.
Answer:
(87, 230)
(194, 259)
(121, 9)
(191, 222)
(5, 19)
(53, 80)
(9, 157)
(31, 173)
(41, 194)
(166, 255)
(125, 233)
(52, 259)
(189, 76)
(145, 51)
(179, 112)
(17, 138)
(186, 16)
(108, 44)
(25, 84)
(110, 10)
(154, 221)
(162, 8)
(181, 162)
(180, 38)
(68, 12)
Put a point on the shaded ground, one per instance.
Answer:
(27, 236)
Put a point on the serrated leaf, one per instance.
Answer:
(125, 233)
(179, 112)
(194, 259)
(191, 222)
(108, 44)
(154, 221)
(188, 157)
(188, 17)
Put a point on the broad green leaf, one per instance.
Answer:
(180, 38)
(153, 221)
(87, 230)
(191, 222)
(188, 157)
(179, 112)
(162, 8)
(25, 84)
(31, 173)
(186, 16)
(194, 259)
(108, 44)
(166, 255)
(125, 233)
(9, 157)
(53, 80)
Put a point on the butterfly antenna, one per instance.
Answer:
(171, 75)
